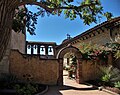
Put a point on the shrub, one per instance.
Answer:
(106, 78)
(117, 54)
(115, 48)
(110, 74)
(7, 81)
(27, 89)
(10, 78)
(117, 84)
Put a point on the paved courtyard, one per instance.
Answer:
(70, 87)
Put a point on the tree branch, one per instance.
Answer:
(73, 7)
(44, 6)
(35, 3)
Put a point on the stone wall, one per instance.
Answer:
(4, 63)
(18, 41)
(115, 34)
(99, 39)
(90, 70)
(44, 71)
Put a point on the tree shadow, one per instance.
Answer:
(55, 90)
(66, 87)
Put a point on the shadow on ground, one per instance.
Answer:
(55, 90)
(65, 87)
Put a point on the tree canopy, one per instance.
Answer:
(87, 10)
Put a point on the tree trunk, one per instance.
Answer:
(6, 17)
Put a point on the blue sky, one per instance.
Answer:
(55, 28)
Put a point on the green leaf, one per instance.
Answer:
(87, 1)
(108, 15)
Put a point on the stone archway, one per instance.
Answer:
(78, 55)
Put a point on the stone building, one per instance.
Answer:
(108, 31)
(46, 67)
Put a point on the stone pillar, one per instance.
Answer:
(32, 49)
(79, 78)
(60, 78)
(54, 51)
(46, 50)
(38, 49)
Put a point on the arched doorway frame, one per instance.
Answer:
(60, 57)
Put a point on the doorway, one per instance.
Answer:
(63, 55)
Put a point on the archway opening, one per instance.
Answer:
(69, 65)
(69, 53)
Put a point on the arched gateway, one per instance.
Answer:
(60, 57)
(7, 11)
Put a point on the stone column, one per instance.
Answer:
(38, 49)
(32, 49)
(79, 78)
(54, 51)
(60, 78)
(46, 50)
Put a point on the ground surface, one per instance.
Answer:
(70, 87)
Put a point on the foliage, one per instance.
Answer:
(90, 51)
(9, 81)
(72, 69)
(108, 15)
(9, 78)
(115, 48)
(22, 18)
(117, 54)
(74, 61)
(73, 64)
(93, 52)
(110, 74)
(106, 74)
(106, 78)
(88, 10)
(66, 68)
(86, 48)
(28, 89)
(19, 20)
(117, 84)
